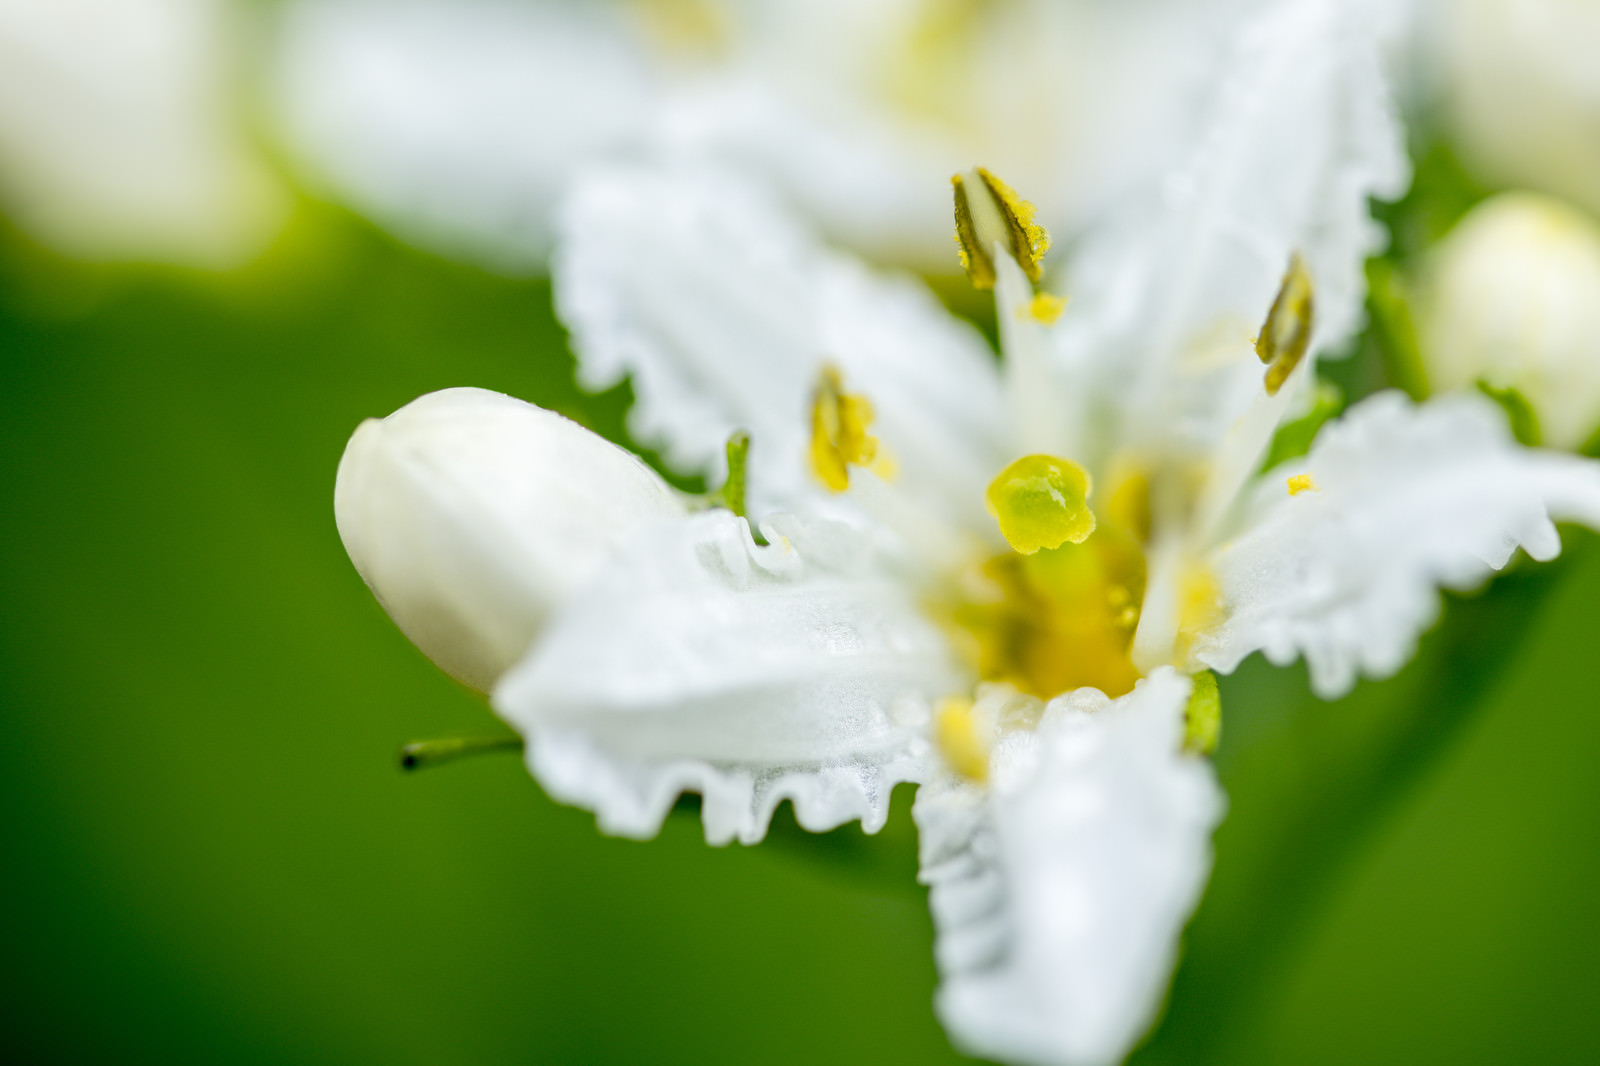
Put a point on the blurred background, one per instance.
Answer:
(212, 855)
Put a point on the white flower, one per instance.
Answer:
(1512, 298)
(1006, 582)
(118, 135)
(456, 122)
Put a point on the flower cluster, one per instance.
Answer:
(1008, 582)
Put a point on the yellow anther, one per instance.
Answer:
(1286, 334)
(1301, 483)
(989, 211)
(969, 246)
(1045, 309)
(1202, 719)
(960, 741)
(1041, 502)
(839, 437)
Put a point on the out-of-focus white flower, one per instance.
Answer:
(1512, 298)
(119, 135)
(456, 122)
(1006, 582)
(1521, 90)
(473, 516)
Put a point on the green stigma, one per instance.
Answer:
(1041, 502)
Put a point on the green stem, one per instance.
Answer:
(1390, 310)
(421, 753)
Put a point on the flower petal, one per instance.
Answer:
(1060, 892)
(453, 122)
(725, 311)
(1300, 134)
(750, 674)
(1401, 499)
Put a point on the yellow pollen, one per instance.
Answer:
(1053, 621)
(1045, 309)
(1041, 502)
(988, 211)
(969, 246)
(1301, 483)
(1286, 334)
(839, 437)
(956, 732)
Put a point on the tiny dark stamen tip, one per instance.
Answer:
(421, 753)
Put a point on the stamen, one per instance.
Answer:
(1041, 501)
(1286, 334)
(1202, 719)
(1301, 483)
(839, 437)
(988, 211)
(731, 495)
(969, 246)
(420, 753)
(956, 732)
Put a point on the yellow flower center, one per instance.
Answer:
(1057, 619)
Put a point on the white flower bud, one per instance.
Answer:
(1521, 91)
(1512, 297)
(472, 516)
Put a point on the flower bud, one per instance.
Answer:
(1519, 92)
(1511, 298)
(472, 516)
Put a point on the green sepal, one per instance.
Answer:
(1591, 447)
(1519, 412)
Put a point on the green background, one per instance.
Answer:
(212, 857)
